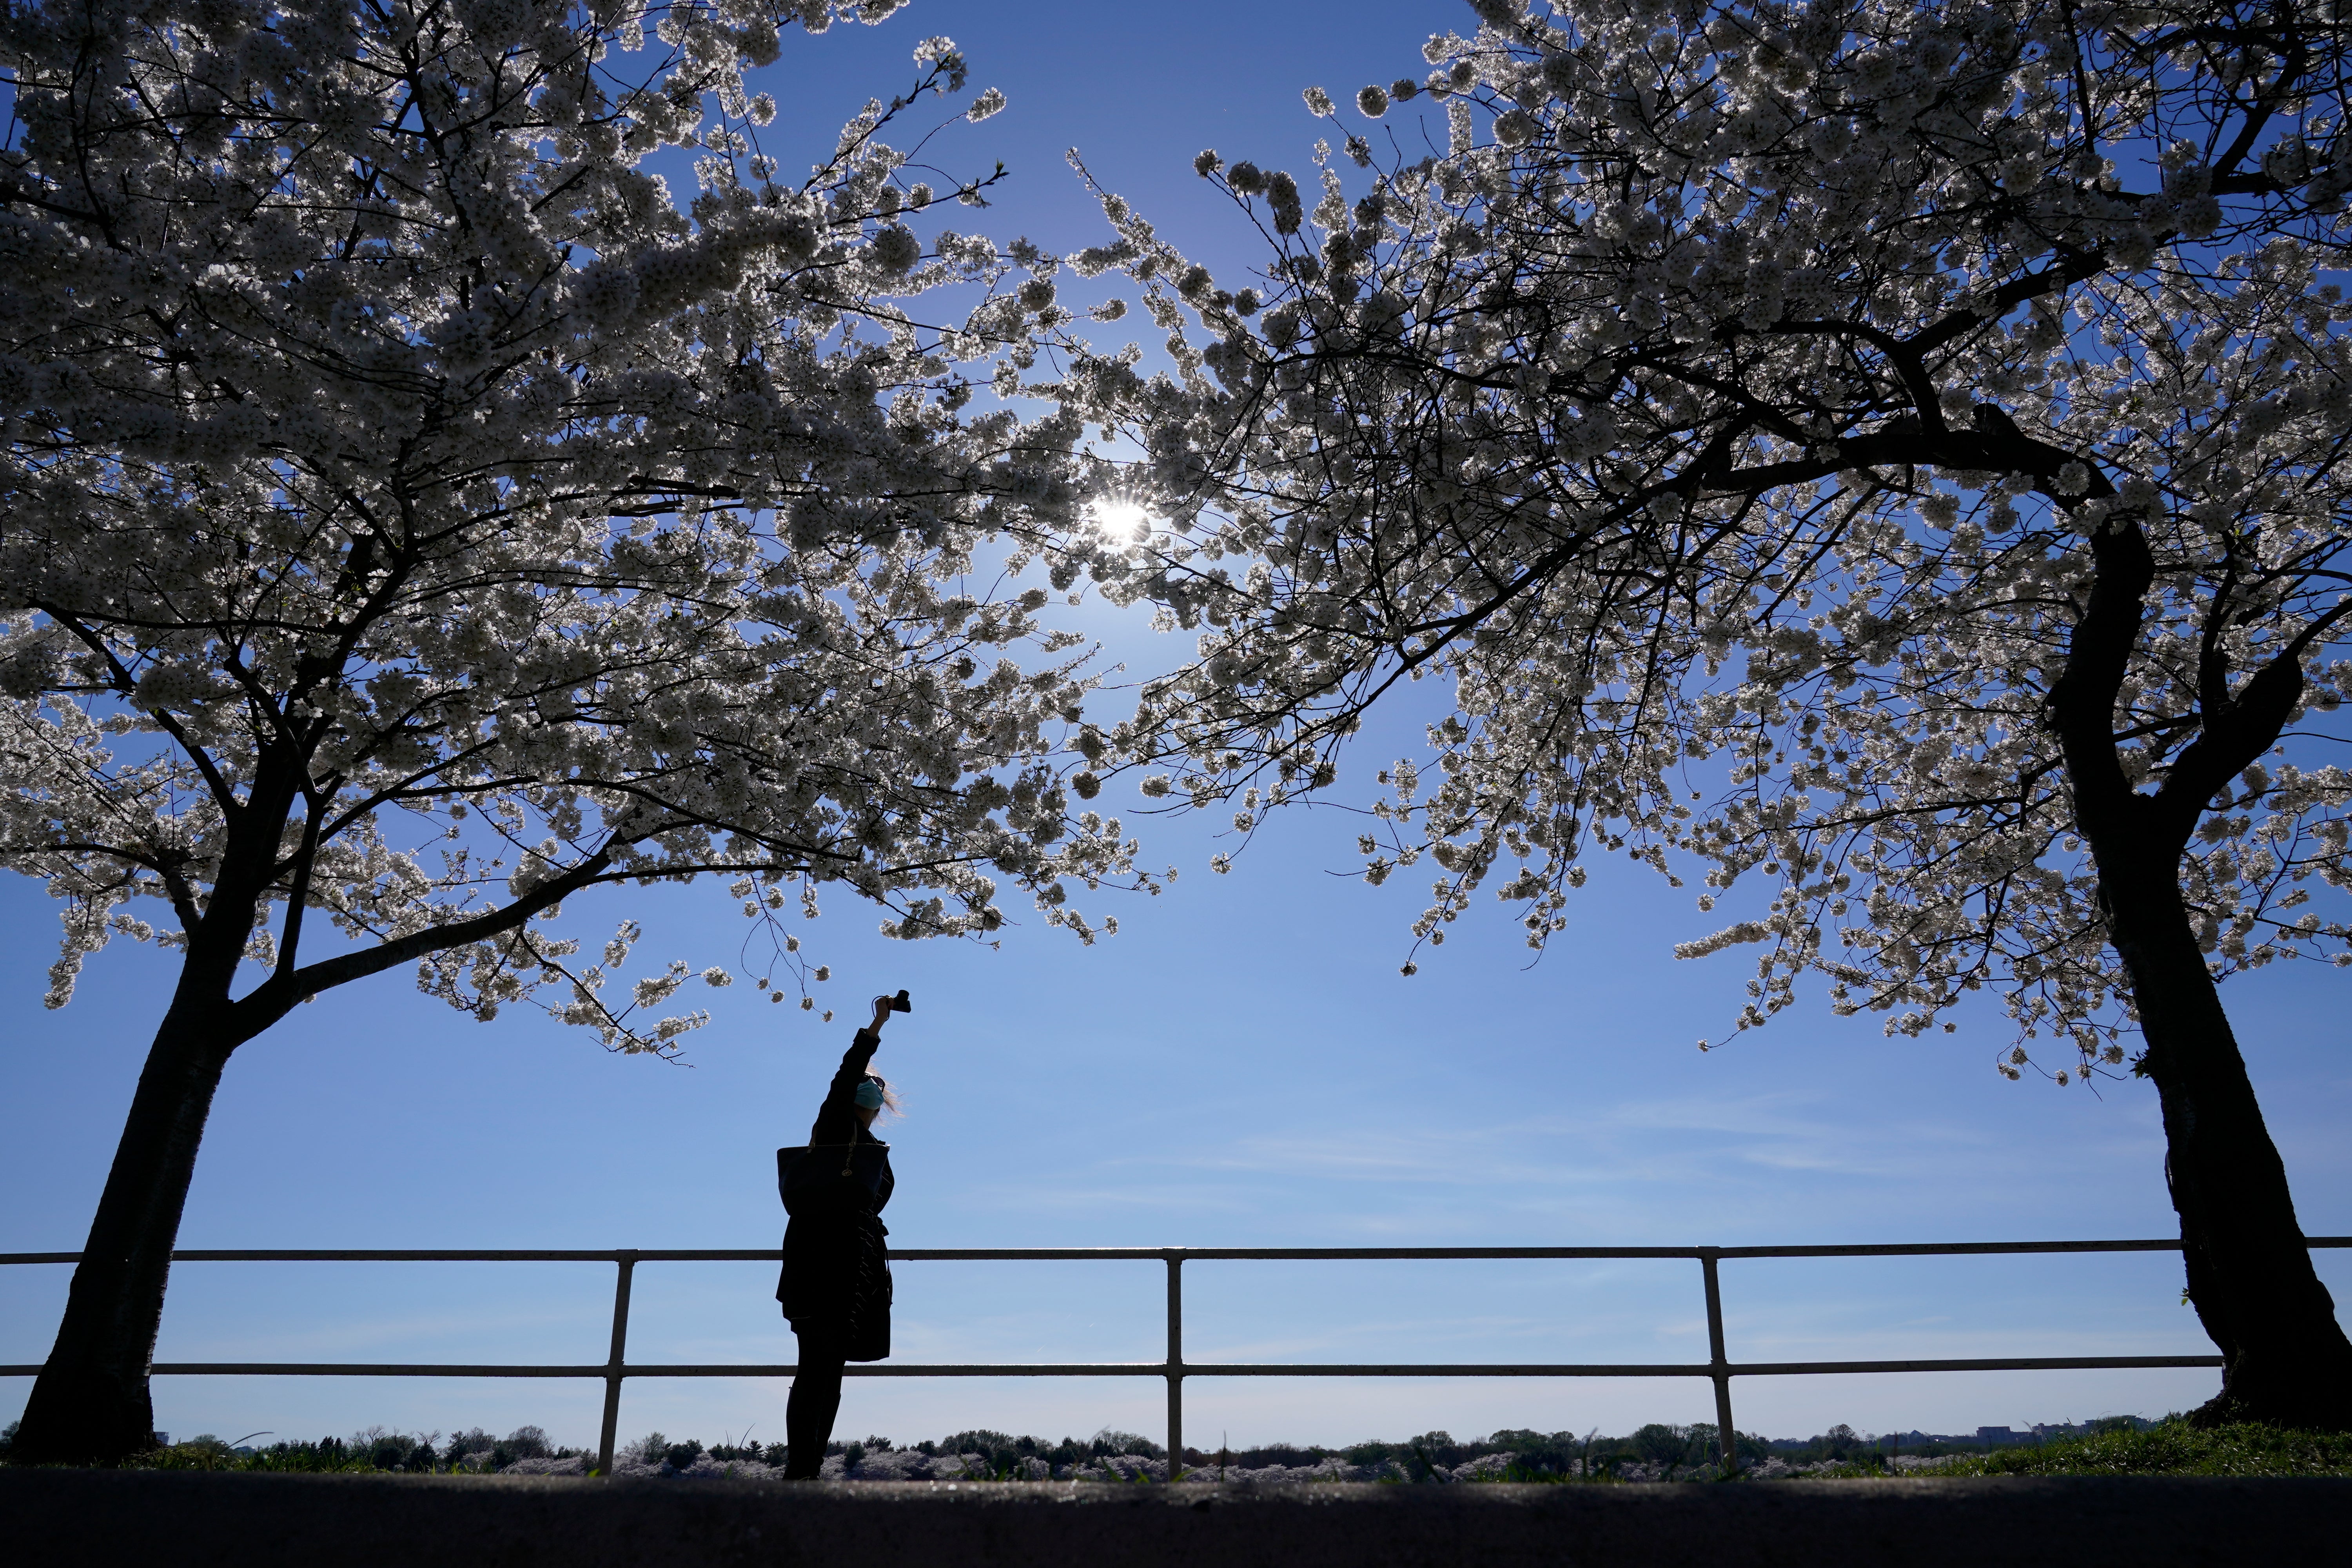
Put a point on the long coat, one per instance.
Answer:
(836, 1282)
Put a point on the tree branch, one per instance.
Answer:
(271, 1000)
(2083, 702)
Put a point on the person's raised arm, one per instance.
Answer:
(835, 1120)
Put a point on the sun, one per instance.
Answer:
(1121, 519)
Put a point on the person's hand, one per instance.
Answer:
(881, 1014)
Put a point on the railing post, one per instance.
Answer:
(614, 1363)
(1175, 1364)
(1724, 1439)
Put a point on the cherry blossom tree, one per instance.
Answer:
(1893, 453)
(413, 521)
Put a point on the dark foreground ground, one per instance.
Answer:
(73, 1517)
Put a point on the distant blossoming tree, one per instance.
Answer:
(1897, 452)
(411, 518)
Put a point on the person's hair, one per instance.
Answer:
(890, 1101)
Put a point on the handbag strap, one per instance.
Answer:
(848, 1154)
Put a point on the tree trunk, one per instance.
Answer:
(90, 1403)
(2285, 1358)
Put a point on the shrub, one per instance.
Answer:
(476, 1441)
(1110, 1441)
(391, 1450)
(1538, 1454)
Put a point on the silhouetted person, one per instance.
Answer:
(836, 1284)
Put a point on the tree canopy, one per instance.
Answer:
(1892, 451)
(412, 516)
(415, 515)
(1729, 410)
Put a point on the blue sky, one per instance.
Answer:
(1243, 1064)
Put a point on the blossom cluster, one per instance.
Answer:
(412, 514)
(1735, 414)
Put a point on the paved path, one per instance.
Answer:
(193, 1520)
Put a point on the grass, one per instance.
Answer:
(2171, 1448)
(303, 1457)
(1530, 1475)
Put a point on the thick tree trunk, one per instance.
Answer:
(2286, 1359)
(90, 1403)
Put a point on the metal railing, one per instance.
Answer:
(1719, 1368)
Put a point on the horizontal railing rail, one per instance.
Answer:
(1085, 1254)
(1719, 1368)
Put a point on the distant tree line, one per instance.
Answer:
(1663, 1450)
(374, 1448)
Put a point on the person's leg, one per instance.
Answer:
(815, 1400)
